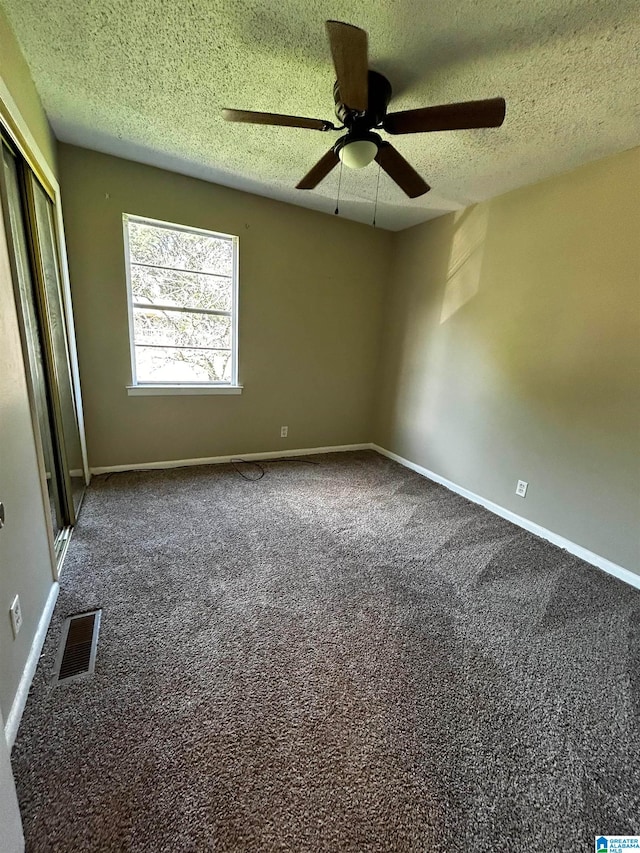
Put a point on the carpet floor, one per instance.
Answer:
(337, 657)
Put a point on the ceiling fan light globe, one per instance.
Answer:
(358, 154)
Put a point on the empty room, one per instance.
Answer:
(319, 426)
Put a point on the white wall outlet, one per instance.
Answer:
(284, 431)
(15, 612)
(521, 488)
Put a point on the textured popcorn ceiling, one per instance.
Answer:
(146, 80)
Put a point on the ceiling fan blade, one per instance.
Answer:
(251, 117)
(465, 116)
(400, 171)
(319, 171)
(349, 52)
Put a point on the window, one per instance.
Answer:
(182, 289)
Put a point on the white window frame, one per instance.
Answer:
(161, 388)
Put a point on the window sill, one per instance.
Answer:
(170, 390)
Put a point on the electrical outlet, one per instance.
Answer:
(521, 488)
(16, 616)
(284, 431)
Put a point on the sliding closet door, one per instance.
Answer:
(55, 325)
(32, 338)
(30, 225)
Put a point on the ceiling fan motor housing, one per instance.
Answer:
(379, 96)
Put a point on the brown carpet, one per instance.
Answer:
(342, 657)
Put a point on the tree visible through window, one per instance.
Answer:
(182, 285)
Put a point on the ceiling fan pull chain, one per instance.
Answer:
(375, 206)
(337, 210)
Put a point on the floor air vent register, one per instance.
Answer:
(76, 656)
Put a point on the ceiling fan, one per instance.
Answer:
(361, 98)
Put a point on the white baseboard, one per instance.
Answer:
(607, 566)
(20, 699)
(218, 460)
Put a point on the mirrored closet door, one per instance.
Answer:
(30, 215)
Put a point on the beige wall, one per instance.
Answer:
(25, 565)
(16, 76)
(311, 289)
(512, 351)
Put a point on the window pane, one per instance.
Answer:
(181, 329)
(150, 244)
(189, 290)
(155, 364)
